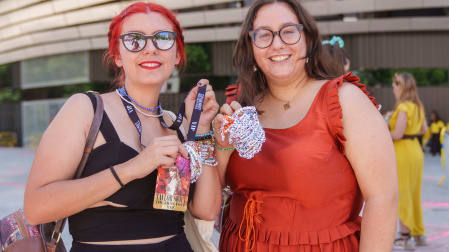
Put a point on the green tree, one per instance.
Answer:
(198, 60)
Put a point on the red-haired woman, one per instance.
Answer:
(111, 205)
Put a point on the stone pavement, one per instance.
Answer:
(15, 164)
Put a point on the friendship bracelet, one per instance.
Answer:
(116, 176)
(203, 136)
(229, 149)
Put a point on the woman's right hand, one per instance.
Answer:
(226, 109)
(162, 151)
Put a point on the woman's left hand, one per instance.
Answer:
(210, 106)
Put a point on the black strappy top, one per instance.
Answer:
(139, 220)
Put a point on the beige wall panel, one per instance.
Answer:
(235, 15)
(29, 13)
(199, 35)
(435, 3)
(348, 27)
(350, 6)
(10, 5)
(53, 36)
(103, 12)
(433, 23)
(397, 4)
(18, 55)
(323, 27)
(65, 5)
(46, 23)
(210, 2)
(5, 58)
(17, 42)
(99, 43)
(35, 51)
(192, 19)
(9, 32)
(68, 47)
(182, 4)
(389, 24)
(175, 4)
(94, 30)
(227, 34)
(317, 8)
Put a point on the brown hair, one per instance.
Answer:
(338, 52)
(252, 85)
(408, 90)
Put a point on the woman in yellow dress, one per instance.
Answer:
(435, 128)
(406, 122)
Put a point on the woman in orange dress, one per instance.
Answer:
(327, 147)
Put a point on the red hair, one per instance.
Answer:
(115, 29)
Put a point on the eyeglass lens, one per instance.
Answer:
(289, 34)
(135, 42)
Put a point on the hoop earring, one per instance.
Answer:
(254, 68)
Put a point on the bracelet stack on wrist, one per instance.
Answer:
(205, 144)
(204, 136)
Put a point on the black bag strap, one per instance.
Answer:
(93, 132)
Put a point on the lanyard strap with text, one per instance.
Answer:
(193, 122)
(134, 118)
(196, 113)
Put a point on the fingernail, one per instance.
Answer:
(199, 84)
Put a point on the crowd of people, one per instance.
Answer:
(328, 151)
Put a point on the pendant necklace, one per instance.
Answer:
(287, 103)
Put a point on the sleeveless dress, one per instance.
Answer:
(410, 164)
(300, 192)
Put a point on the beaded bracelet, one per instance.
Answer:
(228, 149)
(204, 136)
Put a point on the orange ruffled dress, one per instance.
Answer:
(300, 192)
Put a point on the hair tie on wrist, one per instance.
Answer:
(116, 176)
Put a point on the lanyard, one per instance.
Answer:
(176, 124)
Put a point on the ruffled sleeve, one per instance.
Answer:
(334, 109)
(231, 93)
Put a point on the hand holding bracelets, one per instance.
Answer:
(245, 131)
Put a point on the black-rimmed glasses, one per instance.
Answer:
(135, 42)
(289, 34)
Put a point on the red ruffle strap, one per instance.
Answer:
(231, 93)
(296, 238)
(334, 109)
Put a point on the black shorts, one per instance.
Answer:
(176, 243)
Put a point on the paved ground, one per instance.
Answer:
(15, 164)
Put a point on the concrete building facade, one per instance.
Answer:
(378, 34)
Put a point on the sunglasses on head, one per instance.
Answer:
(136, 42)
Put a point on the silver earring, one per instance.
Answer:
(307, 60)
(254, 68)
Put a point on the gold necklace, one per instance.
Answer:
(287, 103)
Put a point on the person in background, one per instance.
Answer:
(435, 128)
(327, 147)
(406, 122)
(335, 46)
(111, 205)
